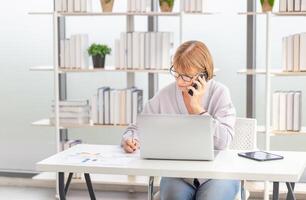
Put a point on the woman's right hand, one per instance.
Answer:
(130, 145)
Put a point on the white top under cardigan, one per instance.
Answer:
(216, 101)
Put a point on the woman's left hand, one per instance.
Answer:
(196, 99)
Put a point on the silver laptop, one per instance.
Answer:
(181, 137)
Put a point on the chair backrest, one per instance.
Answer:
(245, 134)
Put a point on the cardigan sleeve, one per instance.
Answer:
(224, 115)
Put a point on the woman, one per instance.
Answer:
(191, 60)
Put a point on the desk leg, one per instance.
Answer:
(68, 183)
(89, 187)
(61, 185)
(275, 191)
(290, 194)
(150, 188)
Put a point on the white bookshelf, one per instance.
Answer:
(268, 73)
(58, 30)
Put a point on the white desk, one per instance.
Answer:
(227, 165)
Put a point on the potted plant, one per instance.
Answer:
(107, 5)
(166, 5)
(267, 5)
(98, 53)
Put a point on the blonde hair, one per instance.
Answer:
(193, 54)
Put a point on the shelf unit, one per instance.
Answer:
(60, 90)
(268, 72)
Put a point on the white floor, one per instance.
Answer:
(32, 193)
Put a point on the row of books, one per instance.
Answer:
(138, 5)
(294, 52)
(292, 5)
(144, 50)
(116, 106)
(192, 5)
(73, 6)
(287, 110)
(72, 112)
(73, 52)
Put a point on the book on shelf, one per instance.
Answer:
(294, 53)
(303, 5)
(289, 112)
(282, 5)
(103, 95)
(193, 5)
(286, 110)
(116, 106)
(302, 61)
(144, 50)
(297, 111)
(94, 109)
(73, 52)
(290, 5)
(297, 5)
(72, 6)
(282, 111)
(139, 6)
(275, 110)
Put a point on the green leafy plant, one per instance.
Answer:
(108, 1)
(169, 2)
(271, 2)
(99, 50)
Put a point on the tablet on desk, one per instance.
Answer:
(260, 155)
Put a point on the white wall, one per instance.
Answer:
(27, 41)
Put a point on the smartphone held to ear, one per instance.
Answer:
(203, 75)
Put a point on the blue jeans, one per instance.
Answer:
(178, 189)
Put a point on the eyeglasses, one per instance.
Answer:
(184, 77)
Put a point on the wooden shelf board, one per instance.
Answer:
(46, 123)
(107, 69)
(91, 69)
(273, 72)
(262, 129)
(109, 13)
(104, 179)
(274, 13)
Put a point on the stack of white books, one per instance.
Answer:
(116, 106)
(73, 52)
(194, 6)
(138, 5)
(292, 5)
(72, 112)
(73, 6)
(287, 110)
(144, 50)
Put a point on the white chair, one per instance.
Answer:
(244, 139)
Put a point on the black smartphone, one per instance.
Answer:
(260, 156)
(203, 75)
